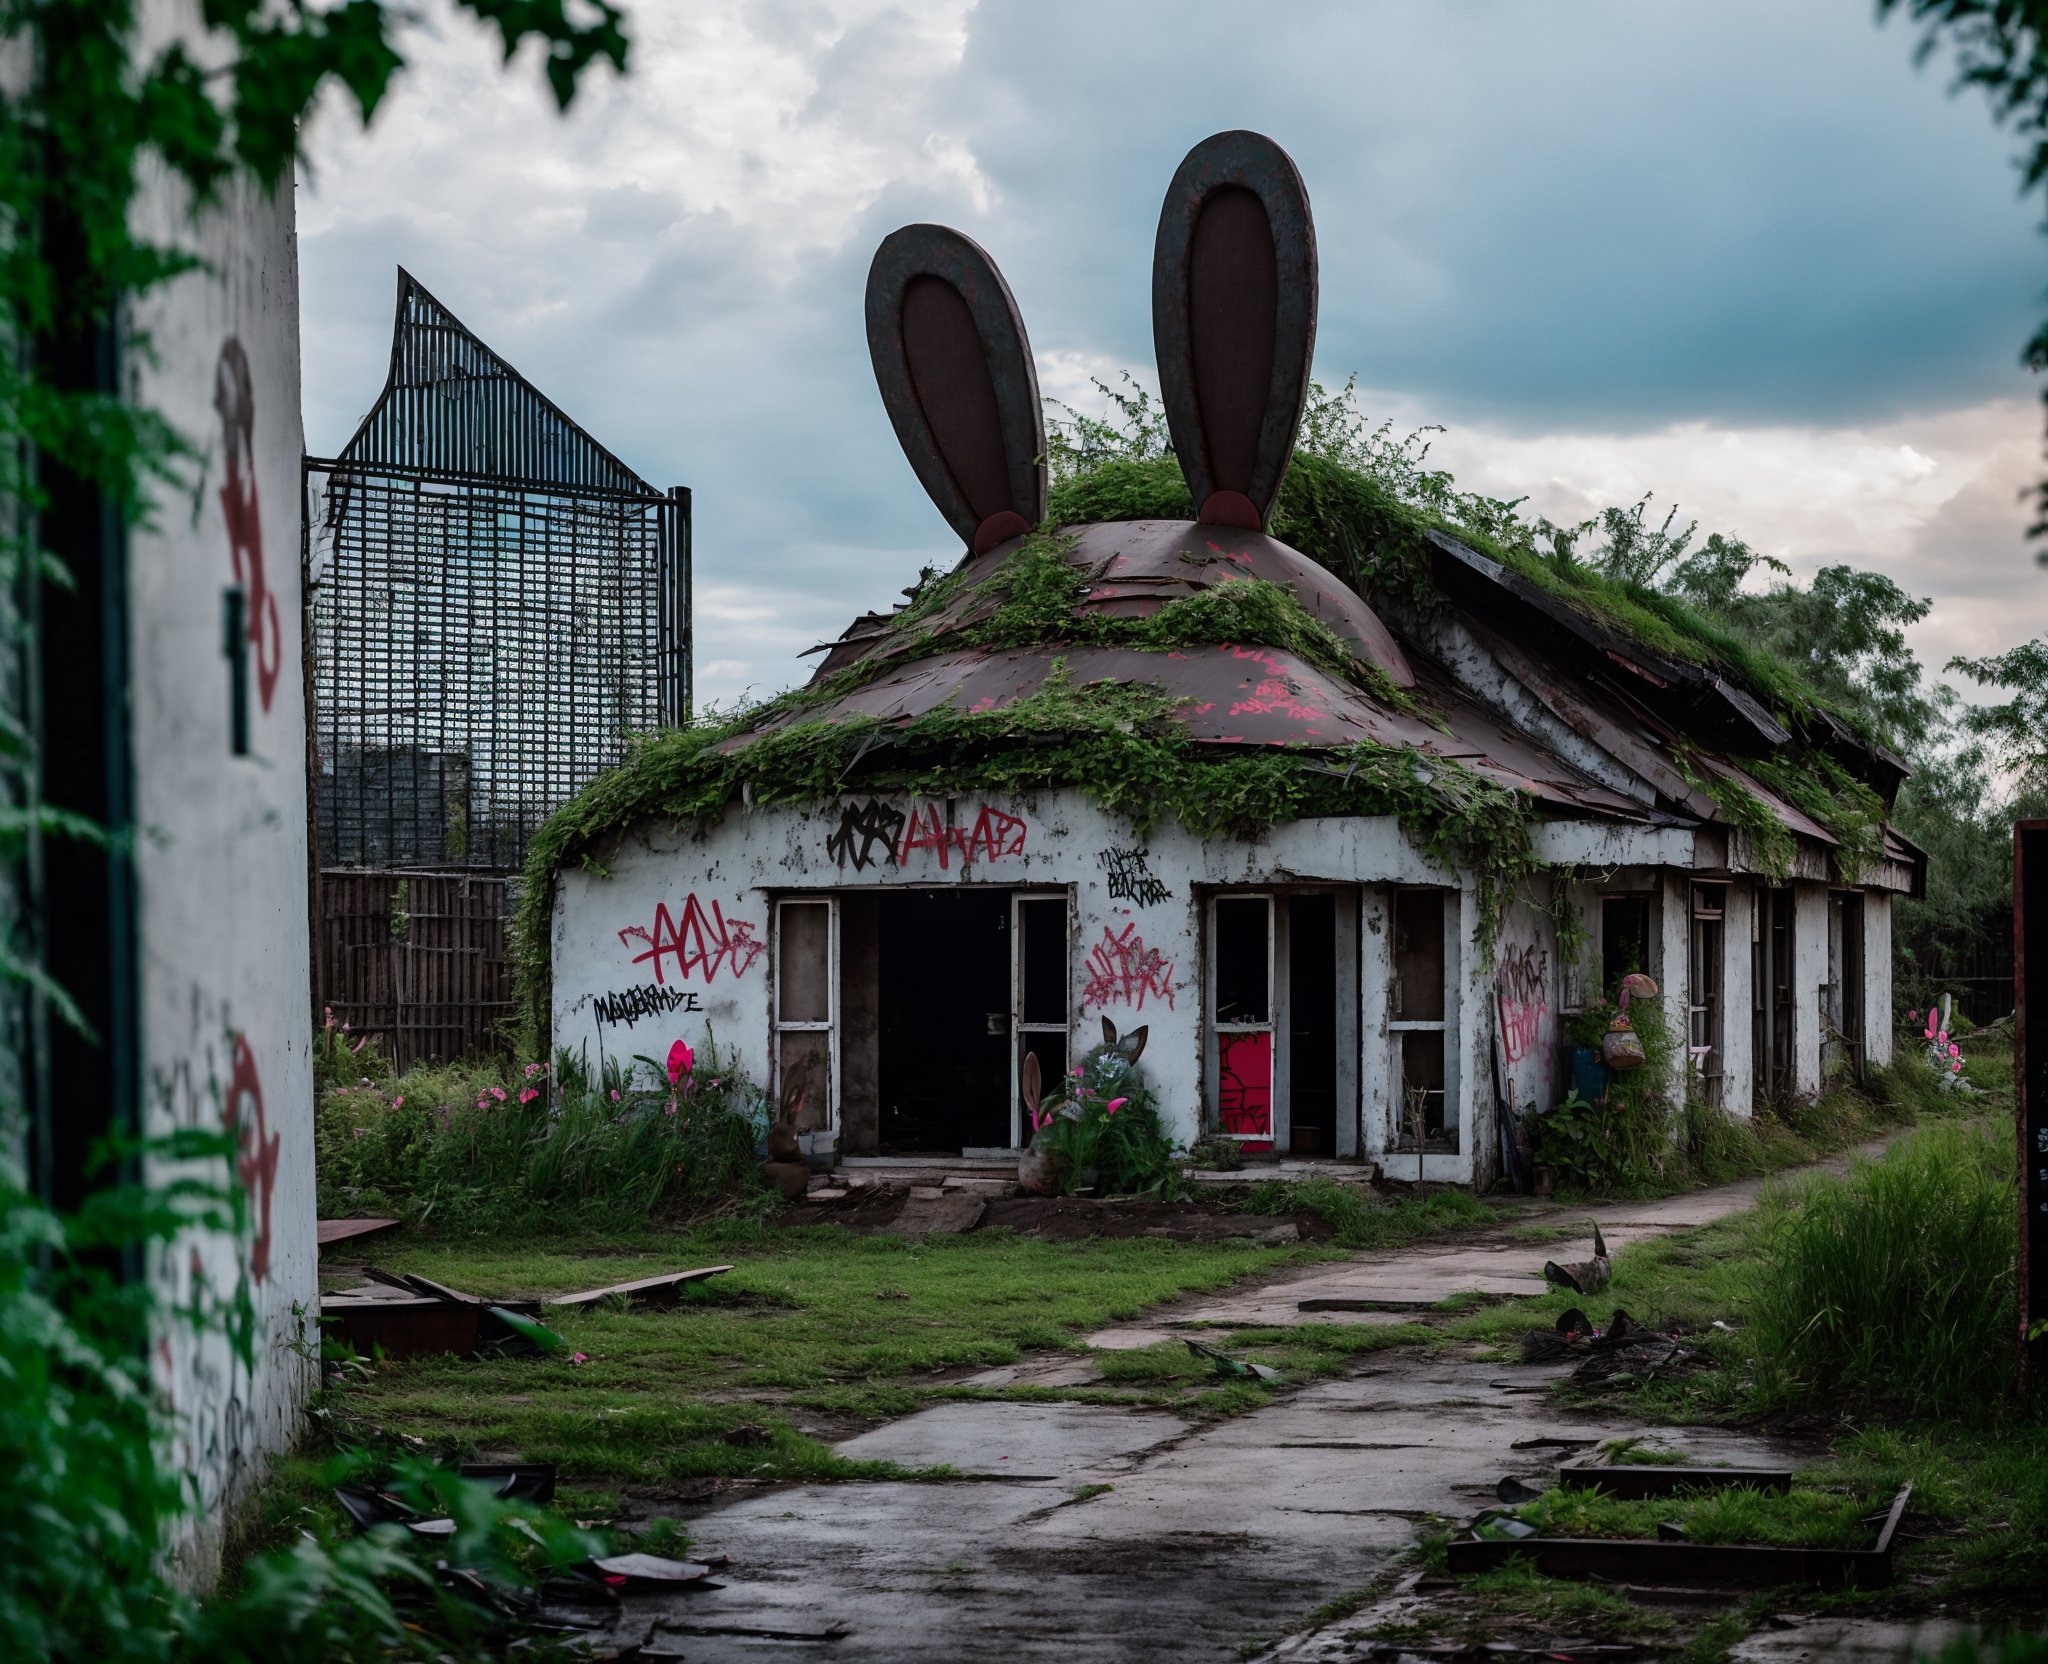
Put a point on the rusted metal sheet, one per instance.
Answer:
(1234, 320)
(1679, 1563)
(955, 372)
(330, 1231)
(2030, 1073)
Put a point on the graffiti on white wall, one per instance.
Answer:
(700, 945)
(1122, 970)
(234, 399)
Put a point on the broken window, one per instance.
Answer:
(1241, 1017)
(1420, 1007)
(806, 980)
(1624, 940)
(1041, 984)
(1703, 1013)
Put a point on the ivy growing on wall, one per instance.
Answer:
(1118, 742)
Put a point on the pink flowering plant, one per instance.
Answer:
(1943, 1053)
(1105, 1121)
(543, 1145)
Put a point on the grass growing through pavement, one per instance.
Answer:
(1801, 1516)
(816, 1320)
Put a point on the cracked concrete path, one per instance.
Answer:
(1095, 1532)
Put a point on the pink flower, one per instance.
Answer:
(681, 1060)
(344, 1028)
(1955, 1051)
(482, 1098)
(1942, 1037)
(1115, 1104)
(578, 1358)
(398, 1102)
(533, 1069)
(1075, 1072)
(527, 1096)
(615, 1094)
(1956, 1067)
(1913, 1016)
(498, 1092)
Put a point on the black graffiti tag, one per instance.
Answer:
(1130, 879)
(861, 827)
(629, 1005)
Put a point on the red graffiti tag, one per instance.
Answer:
(1123, 971)
(234, 397)
(1523, 1005)
(992, 836)
(703, 943)
(256, 1149)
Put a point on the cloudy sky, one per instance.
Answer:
(1743, 254)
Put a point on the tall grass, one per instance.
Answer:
(481, 1149)
(1893, 1286)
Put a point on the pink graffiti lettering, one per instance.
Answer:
(256, 1152)
(992, 836)
(1523, 1003)
(234, 397)
(704, 943)
(1123, 971)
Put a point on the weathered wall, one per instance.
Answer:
(1809, 974)
(1878, 1023)
(222, 858)
(699, 903)
(1738, 967)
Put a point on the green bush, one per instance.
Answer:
(1894, 1285)
(1105, 1121)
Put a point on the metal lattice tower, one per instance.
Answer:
(497, 603)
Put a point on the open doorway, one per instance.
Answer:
(942, 1010)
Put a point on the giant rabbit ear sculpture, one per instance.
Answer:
(955, 371)
(1234, 321)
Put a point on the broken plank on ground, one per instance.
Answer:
(664, 1290)
(342, 1230)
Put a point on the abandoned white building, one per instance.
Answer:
(1340, 859)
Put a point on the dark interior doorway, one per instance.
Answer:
(1312, 1023)
(1624, 940)
(943, 1019)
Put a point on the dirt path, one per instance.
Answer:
(1096, 1532)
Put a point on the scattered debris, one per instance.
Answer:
(330, 1231)
(1669, 1559)
(1227, 1365)
(938, 1212)
(643, 1570)
(664, 1290)
(1512, 1490)
(1583, 1276)
(1545, 1345)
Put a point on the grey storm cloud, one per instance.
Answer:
(1590, 215)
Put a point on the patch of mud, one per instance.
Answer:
(1073, 1218)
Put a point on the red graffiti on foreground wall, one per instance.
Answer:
(1523, 1005)
(1123, 971)
(704, 943)
(234, 397)
(255, 1152)
(992, 836)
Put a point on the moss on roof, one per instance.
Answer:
(1118, 742)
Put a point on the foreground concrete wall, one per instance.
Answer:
(222, 858)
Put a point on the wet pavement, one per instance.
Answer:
(1096, 1532)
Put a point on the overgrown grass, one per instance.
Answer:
(1362, 1218)
(1802, 1516)
(813, 1324)
(1894, 1286)
(498, 1147)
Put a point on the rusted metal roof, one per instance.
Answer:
(1227, 695)
(1134, 567)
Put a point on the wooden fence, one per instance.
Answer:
(416, 960)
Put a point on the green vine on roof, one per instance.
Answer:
(1120, 743)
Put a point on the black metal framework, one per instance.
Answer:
(496, 604)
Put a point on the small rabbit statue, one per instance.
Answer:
(1040, 1169)
(785, 1167)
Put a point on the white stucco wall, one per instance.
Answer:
(1738, 964)
(708, 895)
(1809, 975)
(1877, 978)
(221, 859)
